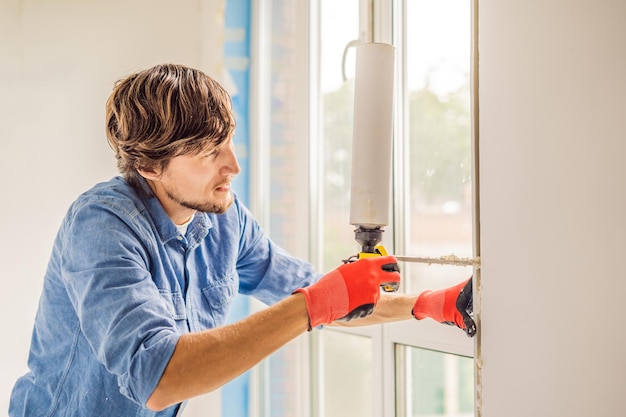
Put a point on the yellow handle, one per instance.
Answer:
(380, 251)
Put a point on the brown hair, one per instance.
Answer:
(162, 112)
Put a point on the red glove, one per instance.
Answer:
(449, 305)
(350, 291)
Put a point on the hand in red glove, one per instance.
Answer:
(452, 306)
(350, 291)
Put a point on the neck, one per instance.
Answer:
(184, 222)
(177, 213)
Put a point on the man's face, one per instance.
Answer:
(198, 182)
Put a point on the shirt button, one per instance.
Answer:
(179, 237)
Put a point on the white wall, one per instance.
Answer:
(58, 62)
(552, 94)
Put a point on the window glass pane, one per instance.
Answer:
(282, 381)
(286, 47)
(339, 26)
(346, 359)
(437, 384)
(438, 70)
(281, 394)
(347, 374)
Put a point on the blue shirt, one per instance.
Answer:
(122, 285)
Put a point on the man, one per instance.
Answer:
(144, 267)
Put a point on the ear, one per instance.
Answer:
(152, 174)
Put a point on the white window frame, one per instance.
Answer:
(380, 21)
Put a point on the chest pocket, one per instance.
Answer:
(175, 304)
(218, 298)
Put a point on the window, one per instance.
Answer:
(432, 383)
(404, 369)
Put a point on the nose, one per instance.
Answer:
(230, 163)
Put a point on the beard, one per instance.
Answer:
(206, 207)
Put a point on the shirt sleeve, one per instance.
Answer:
(105, 269)
(266, 271)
